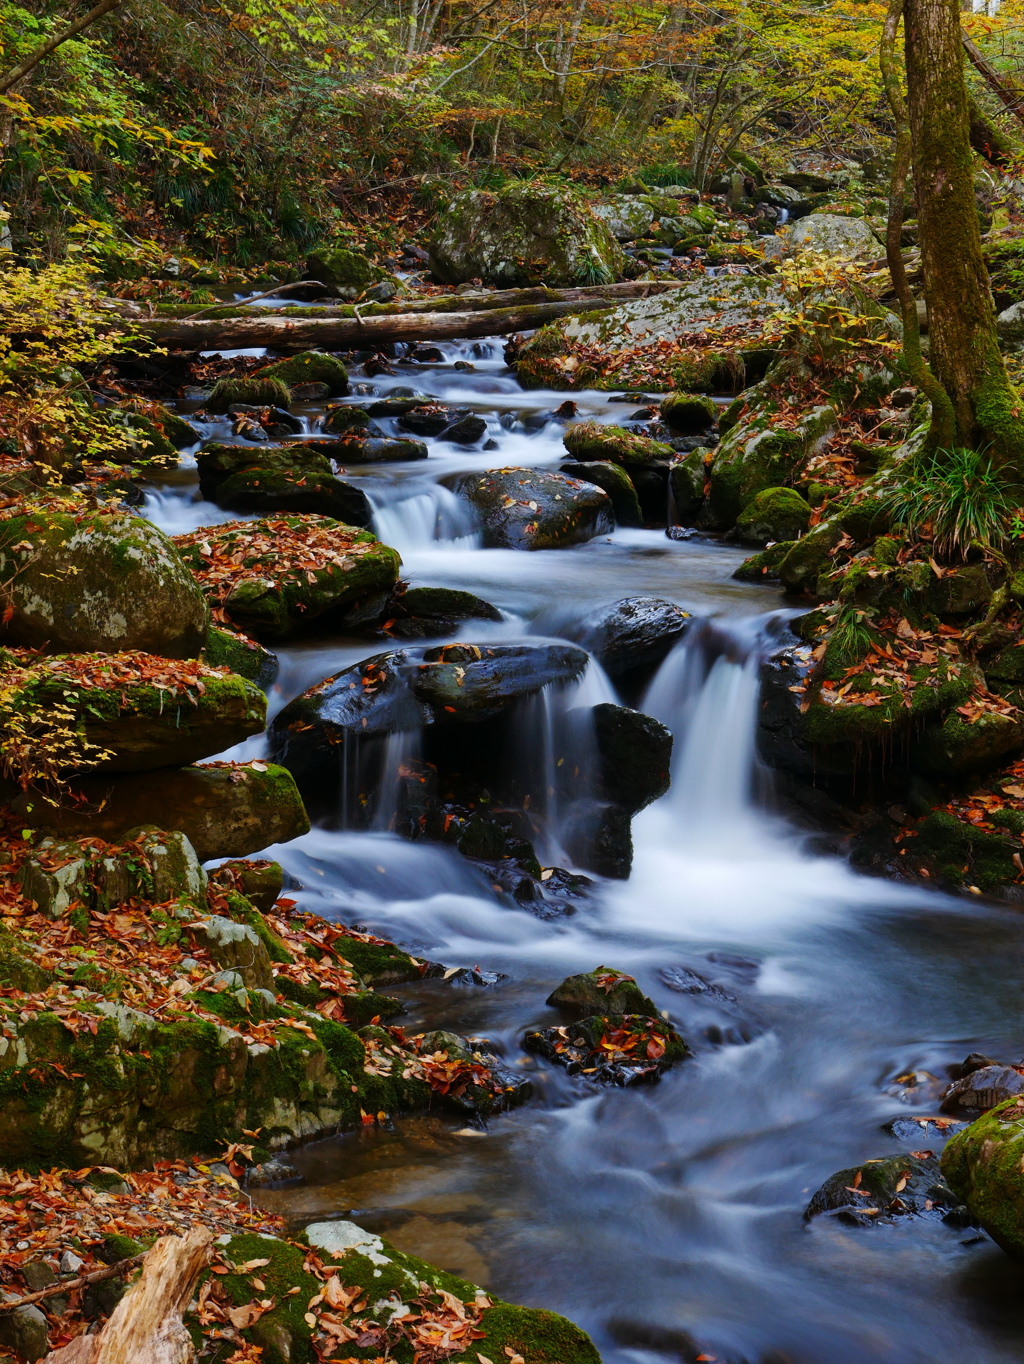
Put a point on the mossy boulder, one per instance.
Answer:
(687, 481)
(963, 855)
(961, 745)
(347, 271)
(763, 567)
(809, 557)
(294, 478)
(253, 885)
(625, 346)
(275, 577)
(224, 810)
(141, 725)
(531, 509)
(619, 1049)
(141, 436)
(228, 649)
(258, 390)
(604, 990)
(689, 413)
(396, 1286)
(426, 612)
(594, 441)
(878, 1190)
(984, 1166)
(81, 580)
(613, 480)
(836, 235)
(309, 367)
(523, 234)
(772, 515)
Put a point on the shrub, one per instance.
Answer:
(956, 496)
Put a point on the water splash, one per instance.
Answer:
(432, 516)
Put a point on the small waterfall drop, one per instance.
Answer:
(431, 516)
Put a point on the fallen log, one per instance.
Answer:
(355, 333)
(146, 1326)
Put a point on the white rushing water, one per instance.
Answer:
(667, 1221)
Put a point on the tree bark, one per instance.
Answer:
(965, 355)
(146, 1326)
(33, 59)
(353, 333)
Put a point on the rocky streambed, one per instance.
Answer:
(568, 997)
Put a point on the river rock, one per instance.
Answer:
(496, 1092)
(622, 348)
(1010, 324)
(523, 233)
(294, 478)
(425, 612)
(471, 682)
(626, 216)
(242, 655)
(601, 991)
(593, 441)
(635, 755)
(961, 745)
(879, 1190)
(25, 1332)
(983, 1089)
(234, 947)
(80, 580)
(261, 882)
(348, 272)
(689, 413)
(357, 448)
(983, 1164)
(613, 480)
(223, 809)
(138, 721)
(772, 515)
(632, 635)
(527, 509)
(274, 577)
(309, 367)
(617, 1049)
(252, 391)
(836, 236)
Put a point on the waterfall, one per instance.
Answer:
(430, 516)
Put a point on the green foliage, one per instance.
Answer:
(954, 496)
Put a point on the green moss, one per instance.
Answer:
(764, 567)
(965, 855)
(117, 1247)
(343, 268)
(594, 441)
(309, 367)
(774, 514)
(17, 970)
(688, 412)
(225, 649)
(984, 1166)
(257, 391)
(378, 963)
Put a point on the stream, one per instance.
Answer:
(667, 1220)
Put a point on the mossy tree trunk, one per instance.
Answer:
(965, 354)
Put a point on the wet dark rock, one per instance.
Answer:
(972, 1062)
(393, 406)
(681, 533)
(687, 982)
(598, 836)
(915, 1130)
(632, 635)
(635, 753)
(616, 1049)
(466, 431)
(880, 1190)
(260, 881)
(475, 976)
(429, 421)
(601, 991)
(424, 612)
(616, 483)
(527, 509)
(360, 449)
(982, 1089)
(493, 1086)
(273, 1171)
(472, 682)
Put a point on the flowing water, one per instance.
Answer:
(667, 1221)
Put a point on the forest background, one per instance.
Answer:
(175, 137)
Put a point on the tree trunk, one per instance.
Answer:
(965, 354)
(146, 1326)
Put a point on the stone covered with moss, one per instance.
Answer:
(142, 725)
(878, 1190)
(984, 1166)
(524, 233)
(309, 367)
(773, 515)
(689, 413)
(604, 990)
(223, 809)
(392, 1295)
(79, 580)
(613, 480)
(348, 272)
(229, 649)
(292, 478)
(253, 391)
(531, 509)
(274, 577)
(596, 441)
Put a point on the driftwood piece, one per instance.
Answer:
(478, 318)
(146, 1326)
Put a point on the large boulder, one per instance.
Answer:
(294, 478)
(614, 480)
(223, 809)
(81, 579)
(134, 713)
(605, 990)
(348, 272)
(523, 233)
(274, 577)
(773, 514)
(310, 367)
(530, 509)
(637, 344)
(834, 235)
(878, 1190)
(627, 216)
(982, 1165)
